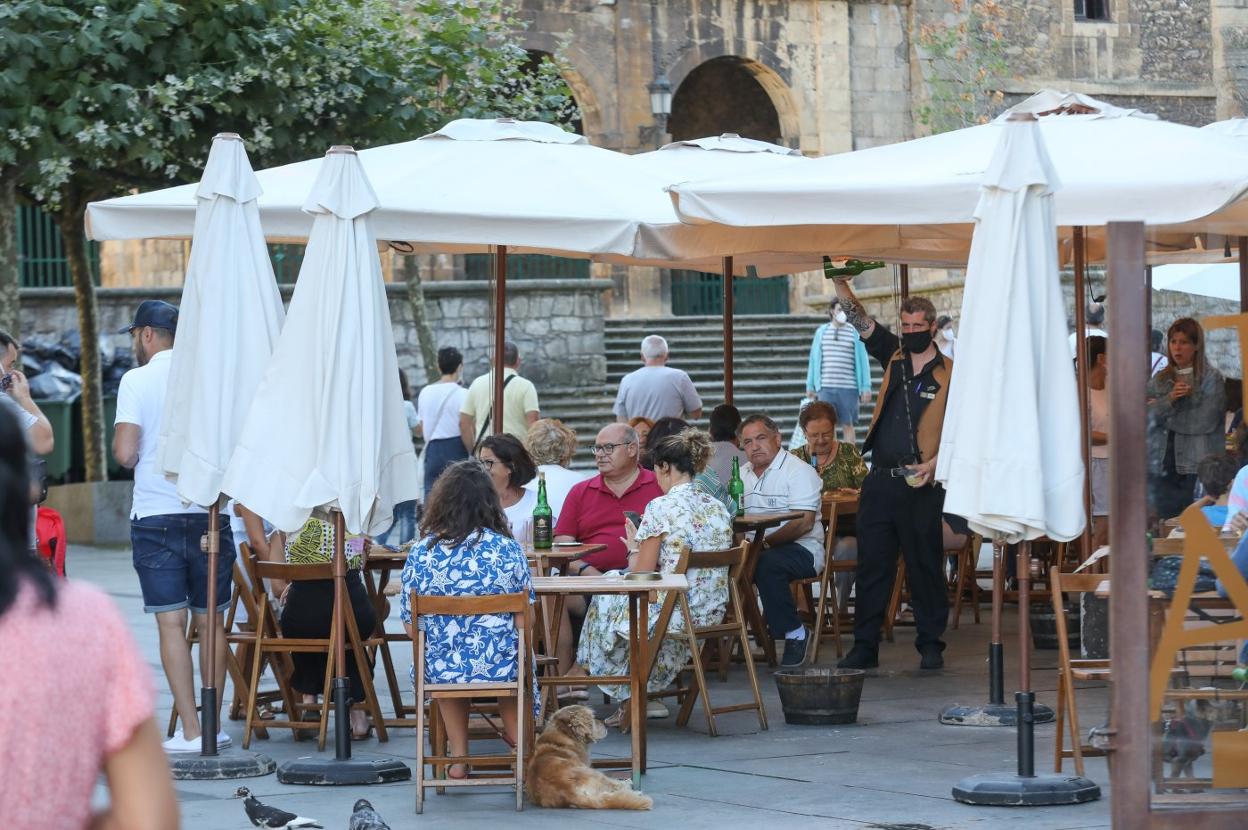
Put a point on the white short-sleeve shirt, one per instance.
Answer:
(520, 517)
(559, 482)
(788, 484)
(141, 401)
(439, 405)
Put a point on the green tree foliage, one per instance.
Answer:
(967, 66)
(100, 97)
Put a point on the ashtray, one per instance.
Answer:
(643, 576)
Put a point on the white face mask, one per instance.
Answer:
(840, 317)
(947, 334)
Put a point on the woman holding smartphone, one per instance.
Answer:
(1186, 405)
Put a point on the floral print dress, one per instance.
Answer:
(476, 649)
(687, 516)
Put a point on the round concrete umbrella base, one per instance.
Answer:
(991, 714)
(228, 764)
(1004, 790)
(333, 772)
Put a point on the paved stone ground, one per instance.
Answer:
(893, 770)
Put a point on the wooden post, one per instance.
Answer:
(1128, 518)
(903, 275)
(500, 334)
(729, 311)
(1081, 373)
(1243, 274)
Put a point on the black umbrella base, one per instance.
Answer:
(991, 714)
(227, 764)
(1002, 790)
(331, 772)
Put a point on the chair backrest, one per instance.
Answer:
(829, 510)
(425, 605)
(732, 558)
(293, 573)
(1060, 585)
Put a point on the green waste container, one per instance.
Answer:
(78, 463)
(65, 433)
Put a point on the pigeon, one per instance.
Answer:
(365, 817)
(262, 815)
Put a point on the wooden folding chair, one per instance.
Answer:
(518, 606)
(901, 593)
(1071, 670)
(965, 578)
(826, 617)
(701, 638)
(270, 640)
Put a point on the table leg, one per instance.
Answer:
(636, 701)
(749, 599)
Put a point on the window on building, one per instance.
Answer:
(1092, 9)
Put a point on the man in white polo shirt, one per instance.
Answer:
(164, 533)
(778, 482)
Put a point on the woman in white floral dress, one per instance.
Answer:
(682, 516)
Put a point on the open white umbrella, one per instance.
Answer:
(1009, 458)
(326, 428)
(228, 323)
(1220, 280)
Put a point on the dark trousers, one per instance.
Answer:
(892, 515)
(439, 455)
(777, 567)
(308, 612)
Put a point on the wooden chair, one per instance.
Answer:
(965, 578)
(270, 640)
(701, 639)
(901, 593)
(826, 617)
(518, 606)
(1071, 670)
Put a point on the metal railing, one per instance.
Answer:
(41, 259)
(697, 293)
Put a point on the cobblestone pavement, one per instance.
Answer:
(893, 770)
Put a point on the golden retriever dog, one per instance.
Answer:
(559, 774)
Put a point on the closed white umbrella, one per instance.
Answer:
(228, 323)
(326, 428)
(1009, 456)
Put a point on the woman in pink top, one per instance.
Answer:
(75, 696)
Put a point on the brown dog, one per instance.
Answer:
(559, 774)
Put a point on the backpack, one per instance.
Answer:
(50, 528)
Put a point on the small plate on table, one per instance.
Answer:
(567, 544)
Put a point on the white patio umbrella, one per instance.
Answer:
(1008, 456)
(228, 323)
(1116, 164)
(326, 428)
(1231, 128)
(1220, 280)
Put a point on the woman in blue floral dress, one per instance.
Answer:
(684, 515)
(466, 550)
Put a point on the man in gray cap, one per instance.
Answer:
(164, 532)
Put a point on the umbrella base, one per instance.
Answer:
(229, 764)
(332, 772)
(991, 714)
(1003, 790)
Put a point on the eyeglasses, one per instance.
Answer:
(607, 449)
(489, 462)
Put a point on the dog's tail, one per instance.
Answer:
(624, 800)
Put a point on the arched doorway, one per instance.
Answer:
(720, 96)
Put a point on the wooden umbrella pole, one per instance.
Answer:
(729, 311)
(1081, 369)
(211, 545)
(500, 333)
(342, 707)
(1243, 274)
(903, 272)
(996, 661)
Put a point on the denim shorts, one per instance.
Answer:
(844, 401)
(173, 571)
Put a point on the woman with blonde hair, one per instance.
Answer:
(682, 516)
(1186, 406)
(551, 445)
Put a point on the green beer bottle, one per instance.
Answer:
(736, 489)
(543, 522)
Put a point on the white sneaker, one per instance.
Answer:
(179, 743)
(224, 740)
(657, 710)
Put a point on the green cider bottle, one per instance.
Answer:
(736, 489)
(543, 518)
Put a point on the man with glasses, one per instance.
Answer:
(900, 505)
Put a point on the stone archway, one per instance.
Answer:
(576, 85)
(725, 95)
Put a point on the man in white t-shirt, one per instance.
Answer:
(656, 390)
(165, 533)
(778, 482)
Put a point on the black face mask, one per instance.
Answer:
(916, 341)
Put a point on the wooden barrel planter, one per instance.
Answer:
(1044, 626)
(818, 696)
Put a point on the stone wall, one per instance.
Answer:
(557, 324)
(879, 72)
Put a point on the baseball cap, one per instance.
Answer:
(155, 313)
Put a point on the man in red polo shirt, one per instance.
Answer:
(593, 513)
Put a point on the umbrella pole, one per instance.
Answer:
(342, 769)
(1081, 369)
(729, 311)
(500, 333)
(1243, 274)
(903, 277)
(208, 764)
(1024, 789)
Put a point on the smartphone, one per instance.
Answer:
(6, 382)
(635, 518)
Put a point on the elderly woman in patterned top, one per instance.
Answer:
(683, 515)
(465, 549)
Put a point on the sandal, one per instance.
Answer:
(615, 720)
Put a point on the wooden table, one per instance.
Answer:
(638, 594)
(559, 556)
(1173, 545)
(758, 523)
